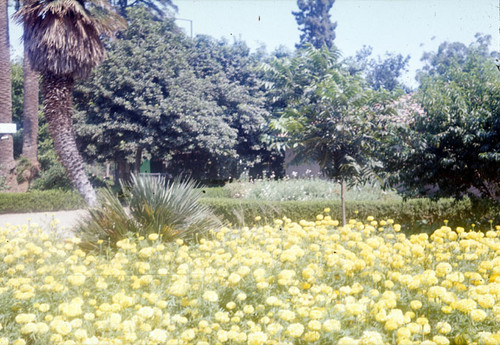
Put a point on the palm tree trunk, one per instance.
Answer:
(58, 105)
(342, 200)
(7, 142)
(30, 123)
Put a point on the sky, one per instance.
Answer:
(409, 27)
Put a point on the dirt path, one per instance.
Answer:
(64, 221)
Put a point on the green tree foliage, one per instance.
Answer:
(314, 21)
(380, 73)
(159, 8)
(192, 104)
(330, 115)
(452, 147)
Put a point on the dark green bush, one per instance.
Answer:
(40, 201)
(53, 178)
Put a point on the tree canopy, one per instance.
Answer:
(193, 104)
(451, 148)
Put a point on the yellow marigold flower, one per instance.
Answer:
(371, 338)
(256, 338)
(28, 328)
(355, 309)
(465, 305)
(234, 278)
(153, 237)
(210, 296)
(77, 279)
(145, 312)
(486, 301)
(347, 341)
(440, 340)
(443, 327)
(295, 330)
(61, 327)
(179, 288)
(443, 268)
(331, 325)
(19, 342)
(248, 309)
(478, 315)
(403, 333)
(25, 318)
(188, 335)
(287, 315)
(158, 336)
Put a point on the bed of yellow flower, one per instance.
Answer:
(285, 283)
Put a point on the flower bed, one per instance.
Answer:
(285, 283)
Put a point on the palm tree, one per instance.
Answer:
(7, 143)
(63, 39)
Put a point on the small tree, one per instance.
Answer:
(332, 122)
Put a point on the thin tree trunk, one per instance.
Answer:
(6, 141)
(58, 105)
(342, 200)
(138, 160)
(30, 122)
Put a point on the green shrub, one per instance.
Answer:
(303, 190)
(53, 178)
(170, 209)
(40, 201)
(414, 215)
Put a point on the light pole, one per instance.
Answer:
(190, 24)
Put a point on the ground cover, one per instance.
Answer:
(305, 189)
(311, 282)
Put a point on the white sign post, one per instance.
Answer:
(7, 128)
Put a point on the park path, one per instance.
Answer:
(65, 220)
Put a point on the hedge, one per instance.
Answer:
(40, 201)
(415, 215)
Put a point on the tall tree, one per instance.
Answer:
(64, 42)
(6, 142)
(314, 21)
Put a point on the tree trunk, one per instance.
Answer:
(58, 105)
(6, 141)
(138, 161)
(122, 171)
(30, 122)
(342, 200)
